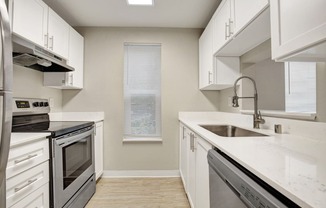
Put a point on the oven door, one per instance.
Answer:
(72, 163)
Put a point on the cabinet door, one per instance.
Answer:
(222, 21)
(296, 26)
(206, 57)
(26, 156)
(202, 174)
(76, 59)
(58, 31)
(192, 170)
(38, 198)
(21, 185)
(183, 160)
(98, 149)
(29, 20)
(245, 11)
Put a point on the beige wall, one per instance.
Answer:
(103, 91)
(257, 63)
(269, 77)
(28, 83)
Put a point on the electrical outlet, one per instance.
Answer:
(230, 101)
(51, 102)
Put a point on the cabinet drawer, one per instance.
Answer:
(21, 185)
(26, 156)
(39, 198)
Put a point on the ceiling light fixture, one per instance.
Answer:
(141, 2)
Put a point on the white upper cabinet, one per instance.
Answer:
(206, 58)
(298, 30)
(223, 21)
(58, 34)
(36, 22)
(215, 73)
(69, 80)
(30, 20)
(240, 26)
(76, 59)
(245, 11)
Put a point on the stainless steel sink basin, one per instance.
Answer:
(231, 131)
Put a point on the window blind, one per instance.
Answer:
(300, 87)
(142, 90)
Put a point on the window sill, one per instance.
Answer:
(139, 139)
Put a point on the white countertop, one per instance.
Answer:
(21, 138)
(294, 165)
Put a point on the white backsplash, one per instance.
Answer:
(309, 129)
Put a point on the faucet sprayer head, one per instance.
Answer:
(235, 103)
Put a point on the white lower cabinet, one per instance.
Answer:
(191, 170)
(194, 167)
(183, 156)
(98, 141)
(27, 178)
(202, 173)
(38, 198)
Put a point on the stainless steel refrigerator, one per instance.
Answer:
(6, 79)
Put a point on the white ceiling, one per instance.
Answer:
(165, 13)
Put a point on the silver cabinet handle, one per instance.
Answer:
(209, 77)
(51, 41)
(46, 40)
(192, 142)
(29, 182)
(24, 159)
(227, 31)
(183, 132)
(230, 27)
(71, 79)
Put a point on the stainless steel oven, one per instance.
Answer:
(73, 167)
(72, 174)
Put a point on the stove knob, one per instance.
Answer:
(41, 104)
(46, 104)
(36, 104)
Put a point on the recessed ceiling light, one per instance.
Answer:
(141, 2)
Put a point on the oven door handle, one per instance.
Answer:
(64, 141)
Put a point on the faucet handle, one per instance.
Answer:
(235, 102)
(262, 121)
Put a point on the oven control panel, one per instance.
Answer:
(22, 104)
(26, 106)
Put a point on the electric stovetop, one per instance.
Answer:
(40, 123)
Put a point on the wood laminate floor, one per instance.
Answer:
(139, 193)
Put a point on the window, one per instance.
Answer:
(142, 91)
(300, 87)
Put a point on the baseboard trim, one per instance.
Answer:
(140, 173)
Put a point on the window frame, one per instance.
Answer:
(158, 104)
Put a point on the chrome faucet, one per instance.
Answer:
(257, 116)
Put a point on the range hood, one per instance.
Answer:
(29, 55)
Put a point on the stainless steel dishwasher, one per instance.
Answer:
(231, 185)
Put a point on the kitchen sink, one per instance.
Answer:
(231, 131)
